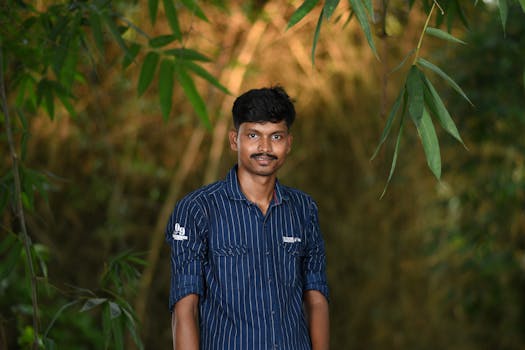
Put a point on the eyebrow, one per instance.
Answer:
(274, 132)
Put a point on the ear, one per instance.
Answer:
(232, 136)
(289, 141)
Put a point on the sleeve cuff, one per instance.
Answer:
(317, 281)
(183, 285)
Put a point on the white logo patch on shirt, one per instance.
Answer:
(287, 239)
(179, 233)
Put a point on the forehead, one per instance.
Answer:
(264, 127)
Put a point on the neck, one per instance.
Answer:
(257, 189)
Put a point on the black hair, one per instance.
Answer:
(263, 105)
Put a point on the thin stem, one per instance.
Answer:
(420, 42)
(18, 201)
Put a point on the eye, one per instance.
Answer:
(277, 137)
(252, 135)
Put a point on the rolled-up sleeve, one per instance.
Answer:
(186, 236)
(314, 263)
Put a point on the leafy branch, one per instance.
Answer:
(418, 98)
(18, 195)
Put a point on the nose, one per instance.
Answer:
(265, 145)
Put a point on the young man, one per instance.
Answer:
(247, 256)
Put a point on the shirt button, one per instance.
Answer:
(267, 252)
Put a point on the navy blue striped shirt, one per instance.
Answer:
(249, 269)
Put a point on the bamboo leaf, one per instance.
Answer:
(195, 9)
(193, 95)
(114, 310)
(438, 33)
(148, 71)
(96, 30)
(403, 61)
(161, 40)
(173, 20)
(166, 80)
(390, 119)
(106, 327)
(205, 75)
(116, 33)
(118, 334)
(369, 7)
(153, 7)
(187, 54)
(133, 52)
(302, 11)
(329, 8)
(414, 86)
(429, 140)
(522, 3)
(360, 13)
(396, 152)
(503, 12)
(316, 35)
(14, 252)
(443, 75)
(91, 303)
(438, 109)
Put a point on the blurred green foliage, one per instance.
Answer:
(430, 266)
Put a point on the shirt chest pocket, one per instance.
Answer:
(230, 267)
(291, 257)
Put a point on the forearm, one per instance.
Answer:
(185, 324)
(318, 320)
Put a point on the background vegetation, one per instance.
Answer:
(432, 265)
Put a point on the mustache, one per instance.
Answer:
(268, 155)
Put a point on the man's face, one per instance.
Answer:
(261, 147)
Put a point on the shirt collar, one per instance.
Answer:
(234, 189)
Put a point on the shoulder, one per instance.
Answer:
(198, 199)
(298, 197)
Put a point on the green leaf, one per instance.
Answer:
(503, 12)
(205, 75)
(390, 119)
(187, 54)
(133, 52)
(443, 75)
(106, 327)
(148, 71)
(414, 86)
(195, 9)
(403, 61)
(302, 11)
(96, 30)
(116, 33)
(193, 95)
(438, 109)
(329, 8)
(438, 33)
(114, 310)
(153, 7)
(316, 35)
(130, 324)
(360, 13)
(173, 20)
(166, 80)
(10, 261)
(369, 7)
(396, 152)
(118, 334)
(92, 303)
(429, 140)
(522, 3)
(161, 40)
(57, 315)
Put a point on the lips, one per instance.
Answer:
(263, 157)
